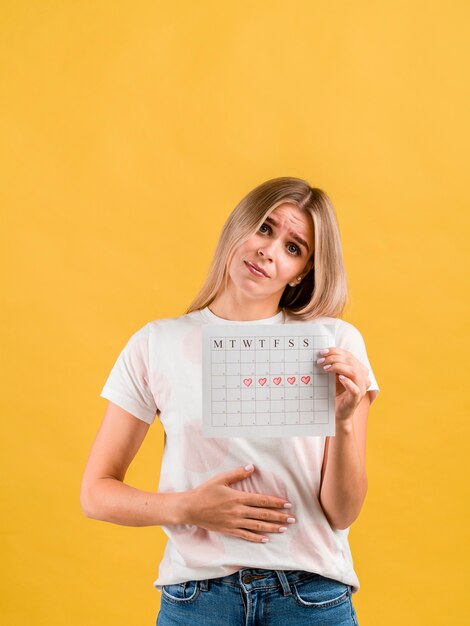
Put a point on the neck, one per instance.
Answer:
(243, 309)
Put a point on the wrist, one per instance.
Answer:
(345, 427)
(172, 508)
(182, 507)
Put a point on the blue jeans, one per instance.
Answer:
(258, 597)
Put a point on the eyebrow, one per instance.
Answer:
(293, 234)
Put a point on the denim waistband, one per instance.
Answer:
(250, 579)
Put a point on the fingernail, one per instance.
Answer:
(291, 520)
(264, 540)
(248, 468)
(287, 505)
(282, 529)
(324, 351)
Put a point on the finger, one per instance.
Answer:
(335, 358)
(263, 527)
(350, 385)
(260, 500)
(332, 350)
(349, 371)
(245, 534)
(234, 476)
(266, 515)
(341, 355)
(359, 379)
(344, 369)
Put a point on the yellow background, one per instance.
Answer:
(129, 131)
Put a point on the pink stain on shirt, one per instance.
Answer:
(198, 546)
(161, 390)
(307, 453)
(166, 484)
(192, 345)
(264, 482)
(201, 454)
(313, 543)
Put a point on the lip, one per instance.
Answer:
(256, 269)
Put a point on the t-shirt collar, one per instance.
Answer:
(207, 314)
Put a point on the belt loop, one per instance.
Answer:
(204, 585)
(284, 582)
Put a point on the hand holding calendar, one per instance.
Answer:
(353, 380)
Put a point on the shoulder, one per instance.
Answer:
(346, 334)
(168, 327)
(174, 324)
(171, 334)
(350, 338)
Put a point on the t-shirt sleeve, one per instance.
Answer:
(349, 338)
(128, 383)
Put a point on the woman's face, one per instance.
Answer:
(280, 250)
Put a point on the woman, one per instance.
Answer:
(257, 528)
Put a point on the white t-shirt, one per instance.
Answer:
(159, 373)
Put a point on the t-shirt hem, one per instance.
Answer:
(347, 576)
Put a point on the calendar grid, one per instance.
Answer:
(267, 380)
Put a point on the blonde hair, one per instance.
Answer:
(323, 291)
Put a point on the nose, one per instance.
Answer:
(264, 254)
(267, 250)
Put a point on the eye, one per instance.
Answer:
(264, 226)
(296, 248)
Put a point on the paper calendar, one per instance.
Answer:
(263, 381)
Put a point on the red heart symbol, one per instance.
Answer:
(277, 380)
(247, 381)
(291, 380)
(305, 379)
(262, 381)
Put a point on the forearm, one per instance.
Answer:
(111, 500)
(344, 485)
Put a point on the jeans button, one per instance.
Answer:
(247, 578)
